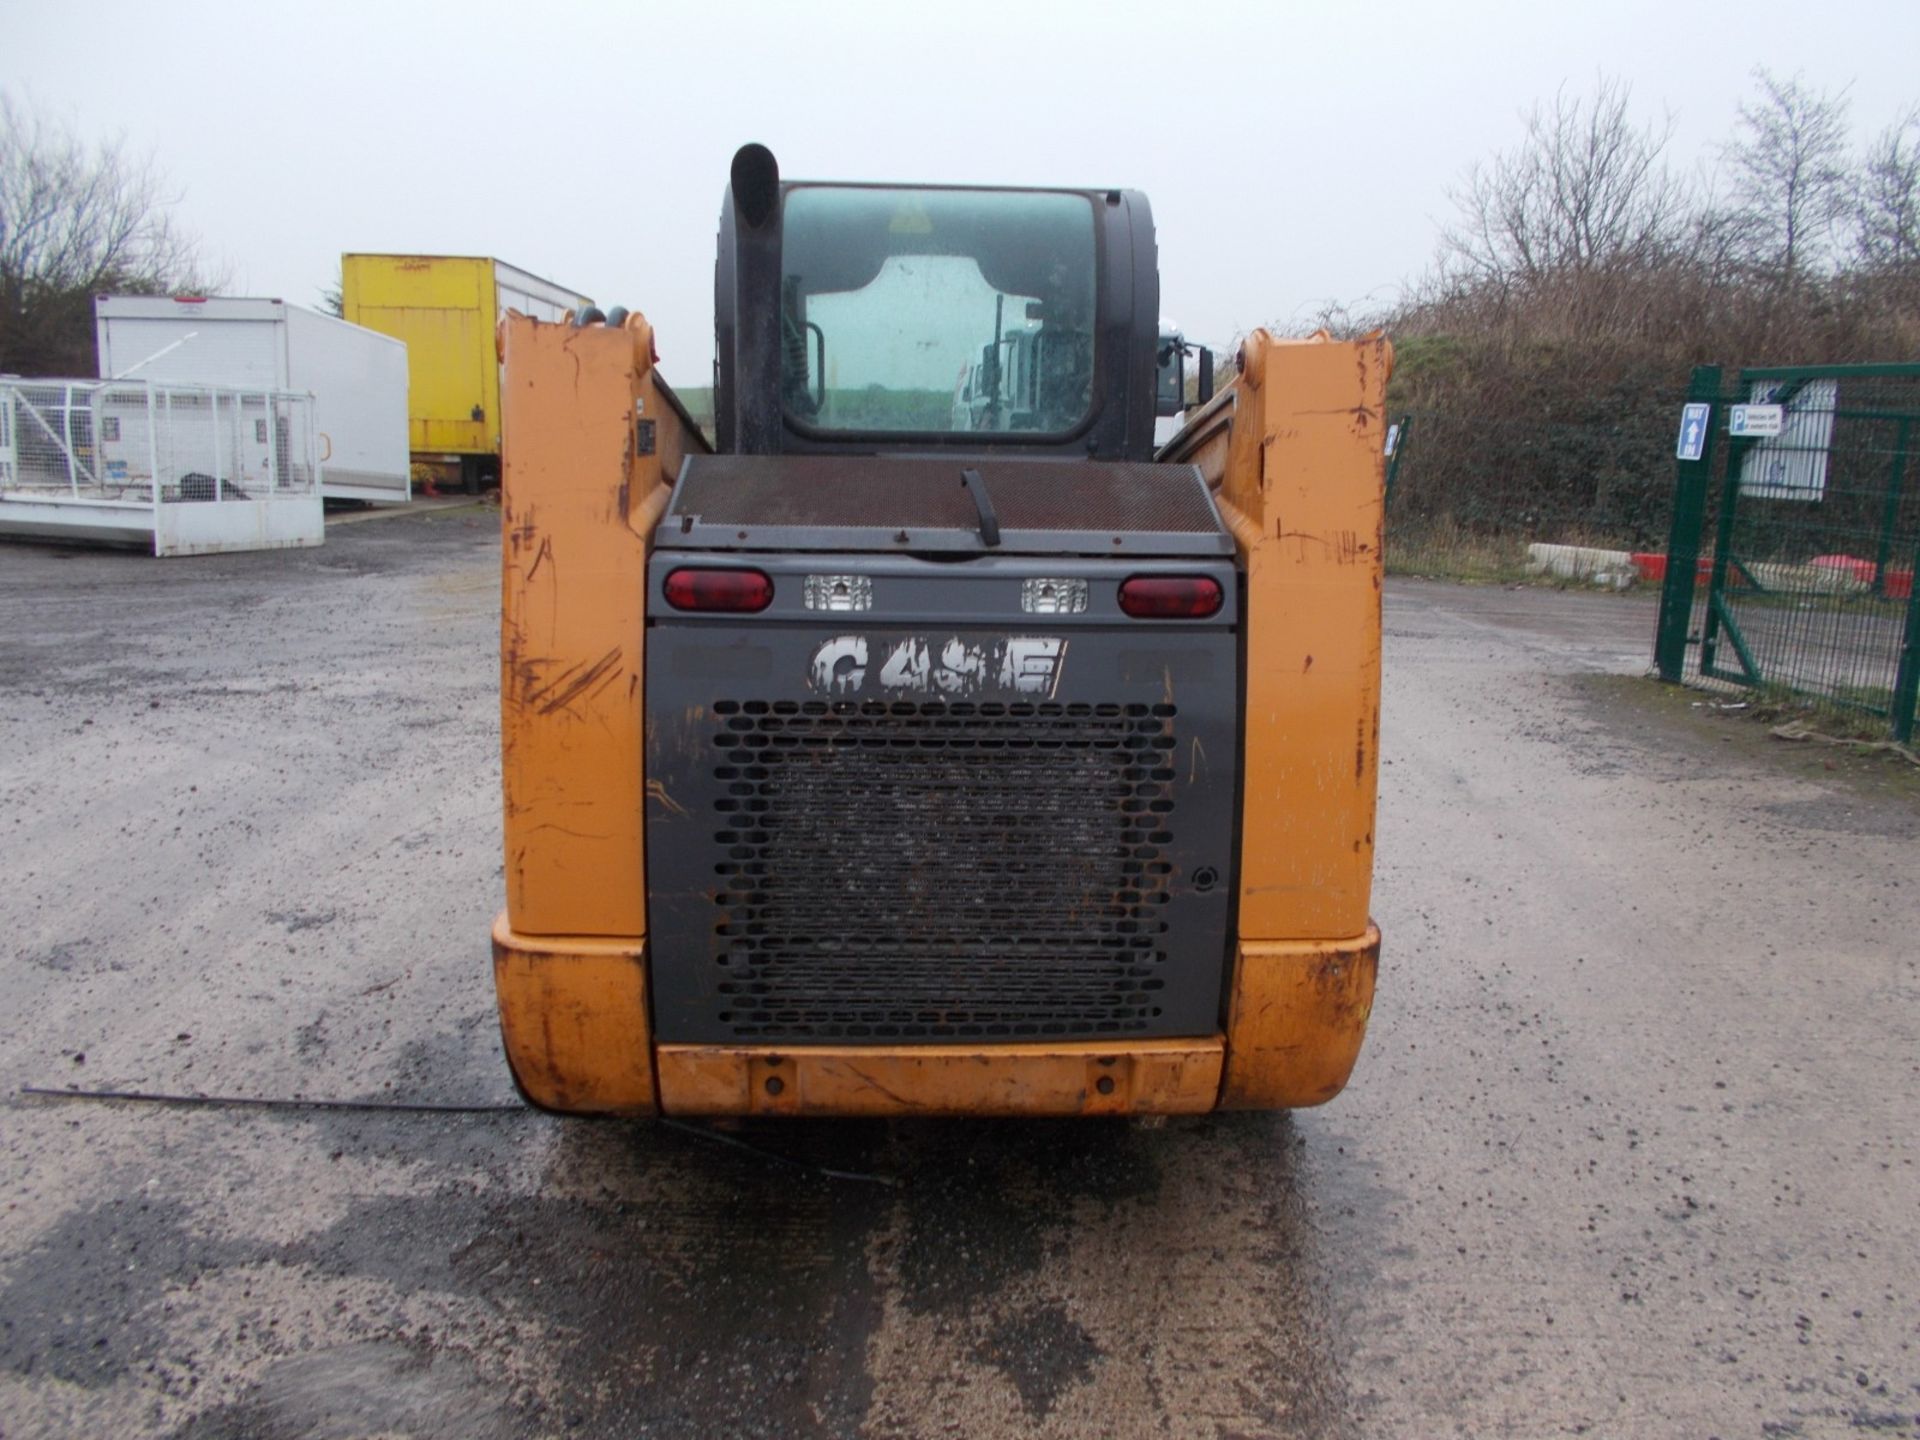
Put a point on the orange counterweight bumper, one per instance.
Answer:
(575, 1024)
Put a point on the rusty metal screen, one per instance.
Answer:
(930, 871)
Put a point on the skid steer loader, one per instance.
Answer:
(929, 744)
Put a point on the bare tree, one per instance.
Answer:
(76, 220)
(1585, 190)
(1544, 349)
(1888, 207)
(1791, 180)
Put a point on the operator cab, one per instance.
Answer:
(865, 319)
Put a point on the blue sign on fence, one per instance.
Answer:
(1694, 420)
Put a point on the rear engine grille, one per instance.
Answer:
(930, 871)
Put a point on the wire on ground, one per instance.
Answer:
(419, 1107)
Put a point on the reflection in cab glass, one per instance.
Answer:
(937, 311)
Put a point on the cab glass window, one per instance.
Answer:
(944, 311)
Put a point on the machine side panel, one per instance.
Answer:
(589, 442)
(1293, 449)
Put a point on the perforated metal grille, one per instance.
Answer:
(925, 871)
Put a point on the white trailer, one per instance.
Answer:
(530, 295)
(357, 377)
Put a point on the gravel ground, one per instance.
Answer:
(1631, 1150)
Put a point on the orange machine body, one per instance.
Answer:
(1292, 450)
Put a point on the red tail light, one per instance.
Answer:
(1170, 597)
(735, 590)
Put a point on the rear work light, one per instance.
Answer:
(729, 590)
(1170, 597)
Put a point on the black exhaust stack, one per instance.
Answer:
(747, 307)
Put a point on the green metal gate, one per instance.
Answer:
(1804, 478)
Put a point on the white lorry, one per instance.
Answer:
(357, 377)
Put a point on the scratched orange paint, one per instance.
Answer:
(577, 510)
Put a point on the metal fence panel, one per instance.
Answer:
(1815, 542)
(168, 444)
(135, 456)
(1786, 556)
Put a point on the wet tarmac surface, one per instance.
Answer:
(1631, 1150)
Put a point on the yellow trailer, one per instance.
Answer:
(446, 308)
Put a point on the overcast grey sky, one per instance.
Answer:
(1293, 152)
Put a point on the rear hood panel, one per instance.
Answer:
(909, 505)
(940, 815)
